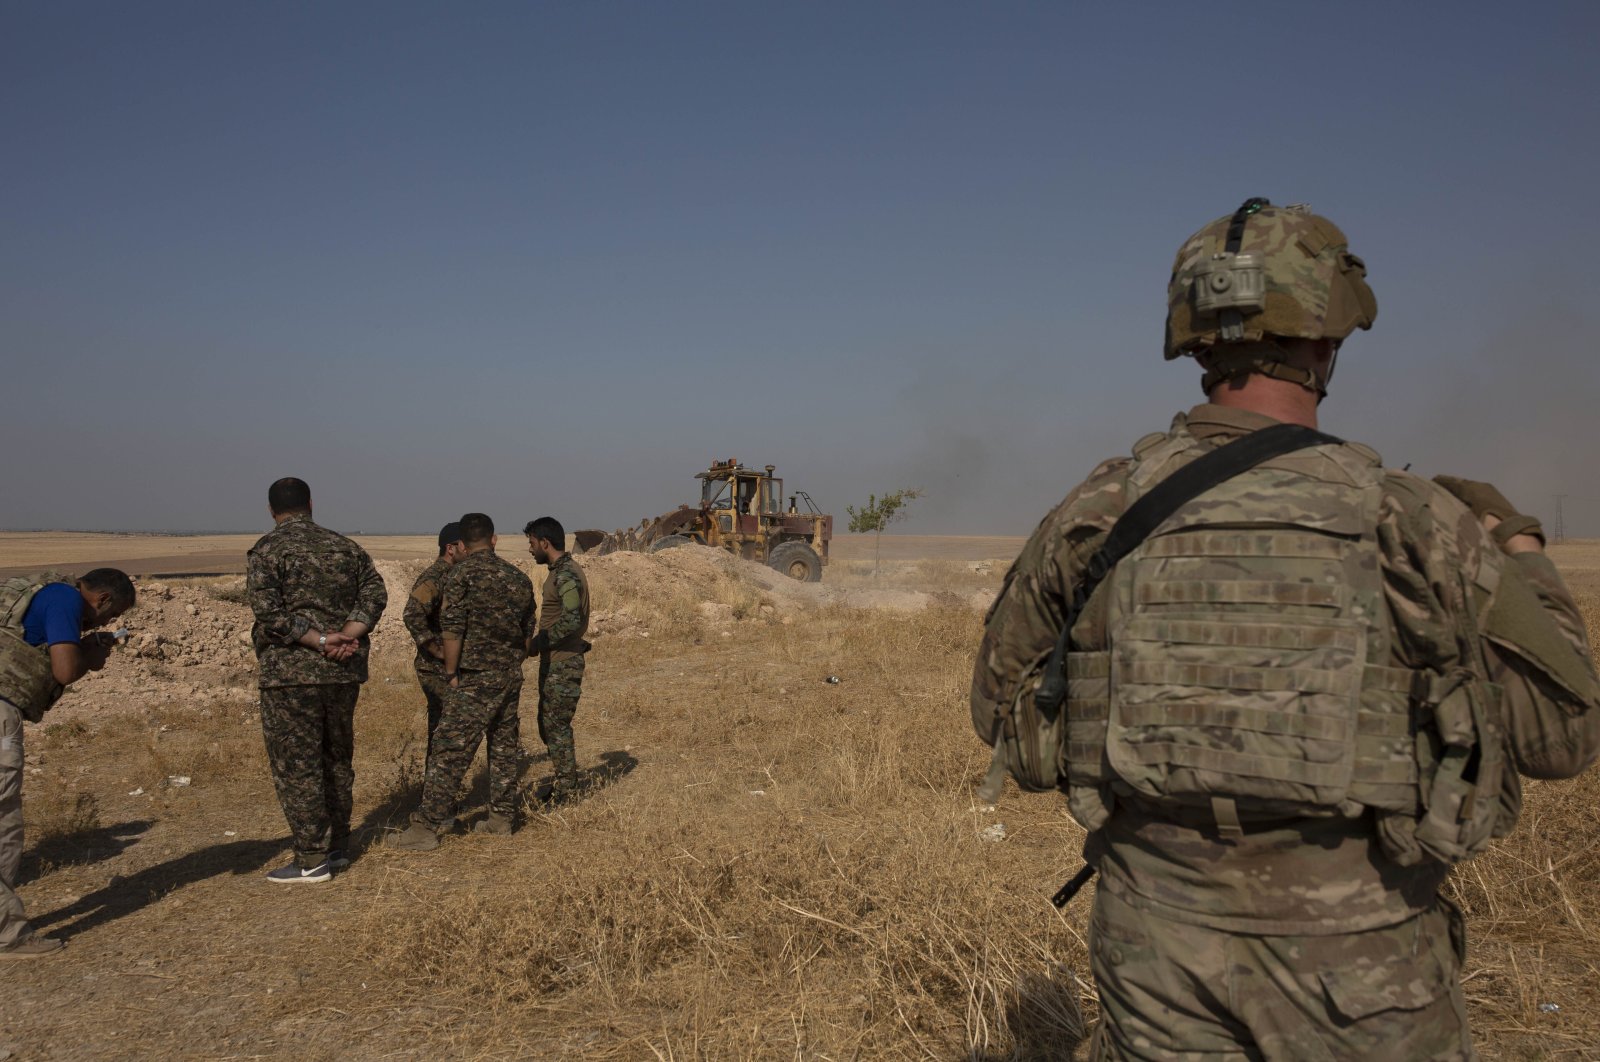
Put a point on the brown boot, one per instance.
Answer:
(494, 822)
(32, 947)
(414, 838)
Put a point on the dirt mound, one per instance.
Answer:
(186, 643)
(190, 640)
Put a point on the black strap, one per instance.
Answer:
(1235, 235)
(1149, 512)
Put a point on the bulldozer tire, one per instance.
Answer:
(668, 541)
(797, 560)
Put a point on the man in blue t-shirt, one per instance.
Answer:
(56, 615)
(51, 652)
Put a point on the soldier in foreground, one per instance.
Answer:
(563, 620)
(422, 621)
(315, 595)
(1295, 702)
(485, 618)
(43, 649)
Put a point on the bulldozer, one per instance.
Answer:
(742, 511)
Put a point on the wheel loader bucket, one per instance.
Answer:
(586, 540)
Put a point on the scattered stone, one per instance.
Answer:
(832, 680)
(994, 832)
(178, 781)
(137, 792)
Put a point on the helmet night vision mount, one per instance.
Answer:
(1231, 284)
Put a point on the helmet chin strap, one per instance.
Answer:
(1268, 359)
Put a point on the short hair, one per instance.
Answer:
(288, 495)
(549, 529)
(113, 581)
(449, 533)
(476, 528)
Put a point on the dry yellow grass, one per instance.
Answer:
(770, 866)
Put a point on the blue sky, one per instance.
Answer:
(551, 258)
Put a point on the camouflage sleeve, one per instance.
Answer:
(424, 592)
(1441, 566)
(1539, 654)
(571, 619)
(1025, 620)
(453, 604)
(371, 596)
(530, 615)
(262, 587)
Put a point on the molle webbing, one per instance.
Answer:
(1384, 769)
(1149, 512)
(1245, 672)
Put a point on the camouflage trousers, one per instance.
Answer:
(484, 703)
(1173, 991)
(310, 735)
(434, 688)
(13, 925)
(560, 685)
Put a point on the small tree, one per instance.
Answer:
(878, 514)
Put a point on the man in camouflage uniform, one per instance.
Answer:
(422, 621)
(563, 621)
(485, 618)
(315, 595)
(43, 649)
(1288, 709)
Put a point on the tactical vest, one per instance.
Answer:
(26, 679)
(550, 611)
(1248, 673)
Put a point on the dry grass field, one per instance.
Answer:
(770, 864)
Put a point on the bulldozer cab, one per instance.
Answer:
(731, 486)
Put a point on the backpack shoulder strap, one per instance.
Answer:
(1150, 511)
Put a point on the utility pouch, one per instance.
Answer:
(1464, 784)
(1027, 741)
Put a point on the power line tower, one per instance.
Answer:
(1559, 532)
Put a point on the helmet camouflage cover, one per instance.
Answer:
(1265, 271)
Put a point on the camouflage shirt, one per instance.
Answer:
(1312, 875)
(422, 614)
(564, 608)
(487, 603)
(303, 577)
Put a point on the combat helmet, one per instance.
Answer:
(1260, 274)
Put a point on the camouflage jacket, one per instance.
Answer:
(422, 615)
(1311, 875)
(302, 577)
(564, 608)
(487, 603)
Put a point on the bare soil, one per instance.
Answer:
(771, 863)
